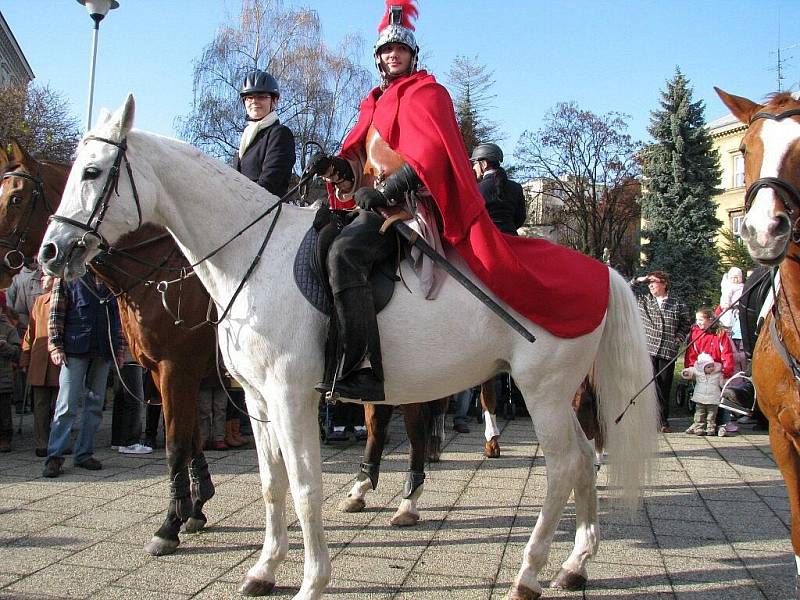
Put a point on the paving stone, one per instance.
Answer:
(62, 580)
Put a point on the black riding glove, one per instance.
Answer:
(320, 163)
(370, 198)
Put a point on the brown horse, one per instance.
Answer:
(771, 229)
(177, 357)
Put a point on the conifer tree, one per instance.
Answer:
(471, 84)
(681, 175)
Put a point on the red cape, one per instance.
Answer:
(544, 282)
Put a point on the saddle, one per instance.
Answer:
(310, 263)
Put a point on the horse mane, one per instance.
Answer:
(778, 100)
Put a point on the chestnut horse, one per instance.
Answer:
(771, 230)
(178, 358)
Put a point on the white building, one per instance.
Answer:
(14, 67)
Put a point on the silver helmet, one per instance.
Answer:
(397, 28)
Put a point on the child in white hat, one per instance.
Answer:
(708, 385)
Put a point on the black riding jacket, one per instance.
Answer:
(507, 208)
(269, 159)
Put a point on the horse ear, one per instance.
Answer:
(16, 153)
(105, 116)
(3, 160)
(128, 111)
(742, 108)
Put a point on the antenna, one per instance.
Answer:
(780, 57)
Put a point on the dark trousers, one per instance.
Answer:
(126, 420)
(6, 419)
(44, 405)
(357, 249)
(663, 384)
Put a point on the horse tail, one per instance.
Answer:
(622, 369)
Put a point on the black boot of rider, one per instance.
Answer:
(359, 339)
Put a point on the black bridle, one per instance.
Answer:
(788, 193)
(14, 259)
(92, 224)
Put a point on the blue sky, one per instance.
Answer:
(605, 55)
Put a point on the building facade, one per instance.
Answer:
(14, 67)
(726, 134)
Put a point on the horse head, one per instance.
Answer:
(771, 150)
(24, 204)
(100, 201)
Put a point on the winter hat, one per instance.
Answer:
(733, 272)
(703, 359)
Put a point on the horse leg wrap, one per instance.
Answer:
(370, 471)
(202, 487)
(180, 495)
(414, 481)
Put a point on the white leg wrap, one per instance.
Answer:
(490, 425)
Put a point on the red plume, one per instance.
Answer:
(409, 12)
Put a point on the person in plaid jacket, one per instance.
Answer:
(667, 321)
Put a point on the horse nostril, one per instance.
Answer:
(779, 226)
(48, 252)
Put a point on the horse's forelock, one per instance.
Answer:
(779, 100)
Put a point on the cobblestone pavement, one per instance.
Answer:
(714, 526)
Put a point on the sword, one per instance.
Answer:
(396, 220)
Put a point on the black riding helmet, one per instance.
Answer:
(259, 82)
(488, 152)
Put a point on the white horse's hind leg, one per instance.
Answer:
(573, 575)
(260, 578)
(565, 457)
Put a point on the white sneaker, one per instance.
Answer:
(115, 447)
(722, 432)
(135, 449)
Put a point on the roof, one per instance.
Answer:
(20, 55)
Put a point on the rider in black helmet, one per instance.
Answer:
(266, 151)
(505, 201)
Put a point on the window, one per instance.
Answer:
(738, 170)
(736, 225)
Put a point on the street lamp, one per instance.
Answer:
(98, 9)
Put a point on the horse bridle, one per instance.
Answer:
(22, 229)
(92, 225)
(788, 193)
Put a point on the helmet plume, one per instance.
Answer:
(409, 12)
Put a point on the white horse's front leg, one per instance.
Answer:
(295, 422)
(573, 574)
(260, 578)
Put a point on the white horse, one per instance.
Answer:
(272, 342)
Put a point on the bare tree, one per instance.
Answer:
(471, 83)
(589, 164)
(320, 86)
(40, 120)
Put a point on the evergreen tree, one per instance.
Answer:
(471, 83)
(681, 175)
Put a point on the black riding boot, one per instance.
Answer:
(359, 339)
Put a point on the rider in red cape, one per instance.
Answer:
(411, 116)
(542, 281)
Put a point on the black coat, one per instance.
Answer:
(269, 159)
(505, 202)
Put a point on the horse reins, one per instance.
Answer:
(22, 228)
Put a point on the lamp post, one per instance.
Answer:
(98, 9)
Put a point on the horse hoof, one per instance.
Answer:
(521, 592)
(160, 547)
(491, 449)
(404, 519)
(194, 524)
(352, 505)
(569, 580)
(255, 587)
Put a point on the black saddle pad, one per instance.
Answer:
(310, 281)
